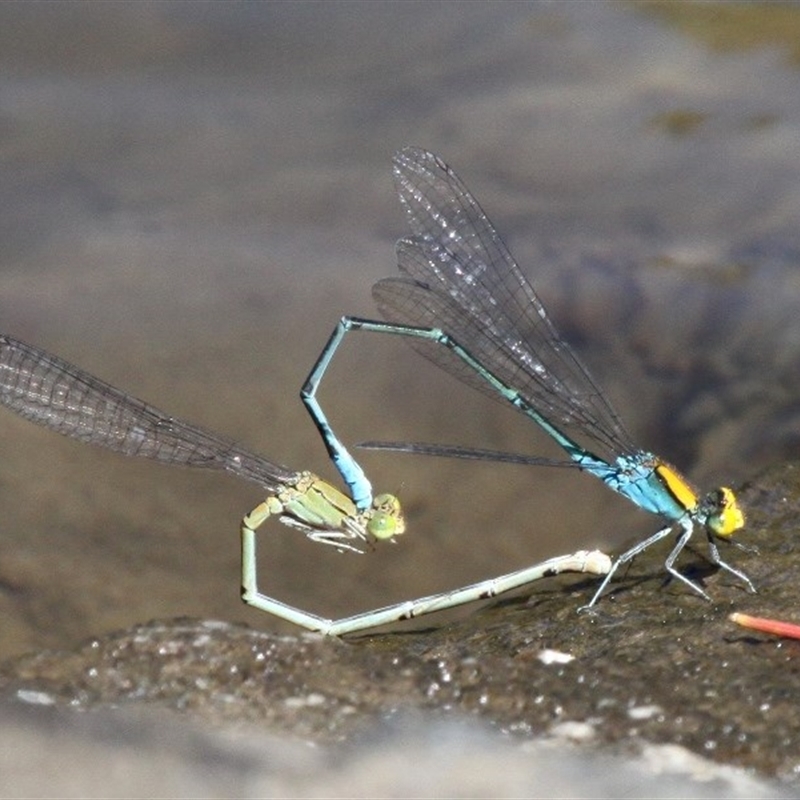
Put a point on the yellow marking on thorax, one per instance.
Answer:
(678, 486)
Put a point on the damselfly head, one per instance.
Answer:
(386, 518)
(725, 516)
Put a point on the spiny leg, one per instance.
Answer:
(688, 528)
(624, 559)
(716, 559)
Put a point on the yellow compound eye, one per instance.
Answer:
(728, 517)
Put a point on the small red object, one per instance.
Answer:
(788, 630)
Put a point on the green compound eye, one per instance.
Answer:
(387, 519)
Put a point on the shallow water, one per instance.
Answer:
(190, 196)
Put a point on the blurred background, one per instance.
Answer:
(191, 195)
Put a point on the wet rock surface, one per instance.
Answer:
(654, 665)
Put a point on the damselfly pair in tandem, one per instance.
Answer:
(465, 304)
